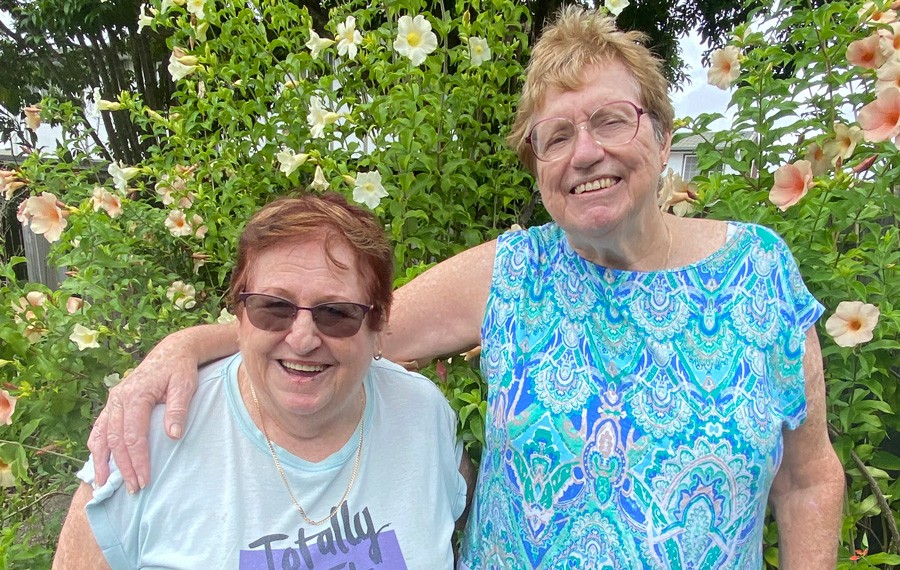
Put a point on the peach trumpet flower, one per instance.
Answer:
(880, 119)
(792, 182)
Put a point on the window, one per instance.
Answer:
(689, 170)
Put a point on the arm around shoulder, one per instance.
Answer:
(441, 311)
(168, 374)
(807, 492)
(78, 549)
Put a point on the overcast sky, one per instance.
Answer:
(699, 96)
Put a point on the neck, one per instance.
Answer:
(641, 244)
(312, 439)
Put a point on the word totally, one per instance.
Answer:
(345, 545)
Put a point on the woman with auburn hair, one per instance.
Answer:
(305, 449)
(654, 381)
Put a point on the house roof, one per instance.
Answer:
(688, 143)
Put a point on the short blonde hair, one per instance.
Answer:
(577, 39)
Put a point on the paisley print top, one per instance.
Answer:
(635, 419)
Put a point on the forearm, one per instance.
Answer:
(441, 311)
(205, 342)
(809, 523)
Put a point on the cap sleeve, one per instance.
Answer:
(799, 311)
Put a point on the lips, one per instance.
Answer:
(597, 184)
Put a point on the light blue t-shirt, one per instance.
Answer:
(216, 500)
(635, 419)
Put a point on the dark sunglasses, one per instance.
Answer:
(337, 320)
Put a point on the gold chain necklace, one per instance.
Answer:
(262, 423)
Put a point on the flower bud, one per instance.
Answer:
(74, 304)
(105, 105)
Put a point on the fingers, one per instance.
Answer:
(115, 437)
(178, 399)
(134, 448)
(99, 449)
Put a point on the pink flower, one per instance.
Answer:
(888, 76)
(45, 216)
(7, 407)
(32, 298)
(852, 323)
(866, 53)
(74, 304)
(677, 195)
(186, 201)
(178, 224)
(844, 142)
(201, 229)
(880, 119)
(819, 160)
(889, 40)
(24, 311)
(725, 67)
(105, 199)
(9, 184)
(792, 182)
(871, 13)
(32, 117)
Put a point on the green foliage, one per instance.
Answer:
(434, 132)
(844, 234)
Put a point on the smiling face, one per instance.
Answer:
(598, 191)
(301, 375)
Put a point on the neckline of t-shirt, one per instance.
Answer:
(733, 229)
(255, 435)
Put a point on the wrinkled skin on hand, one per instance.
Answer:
(167, 375)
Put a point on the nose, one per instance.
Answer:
(303, 336)
(587, 151)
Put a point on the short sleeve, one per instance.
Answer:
(451, 454)
(108, 510)
(456, 492)
(799, 312)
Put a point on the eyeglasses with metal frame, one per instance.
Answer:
(612, 124)
(274, 314)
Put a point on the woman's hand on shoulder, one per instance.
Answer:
(167, 375)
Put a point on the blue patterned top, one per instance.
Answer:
(635, 419)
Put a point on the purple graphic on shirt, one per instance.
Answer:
(344, 545)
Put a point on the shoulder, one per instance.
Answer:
(763, 235)
(410, 406)
(535, 237)
(393, 380)
(210, 395)
(767, 245)
(533, 246)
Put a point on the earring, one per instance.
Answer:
(378, 355)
